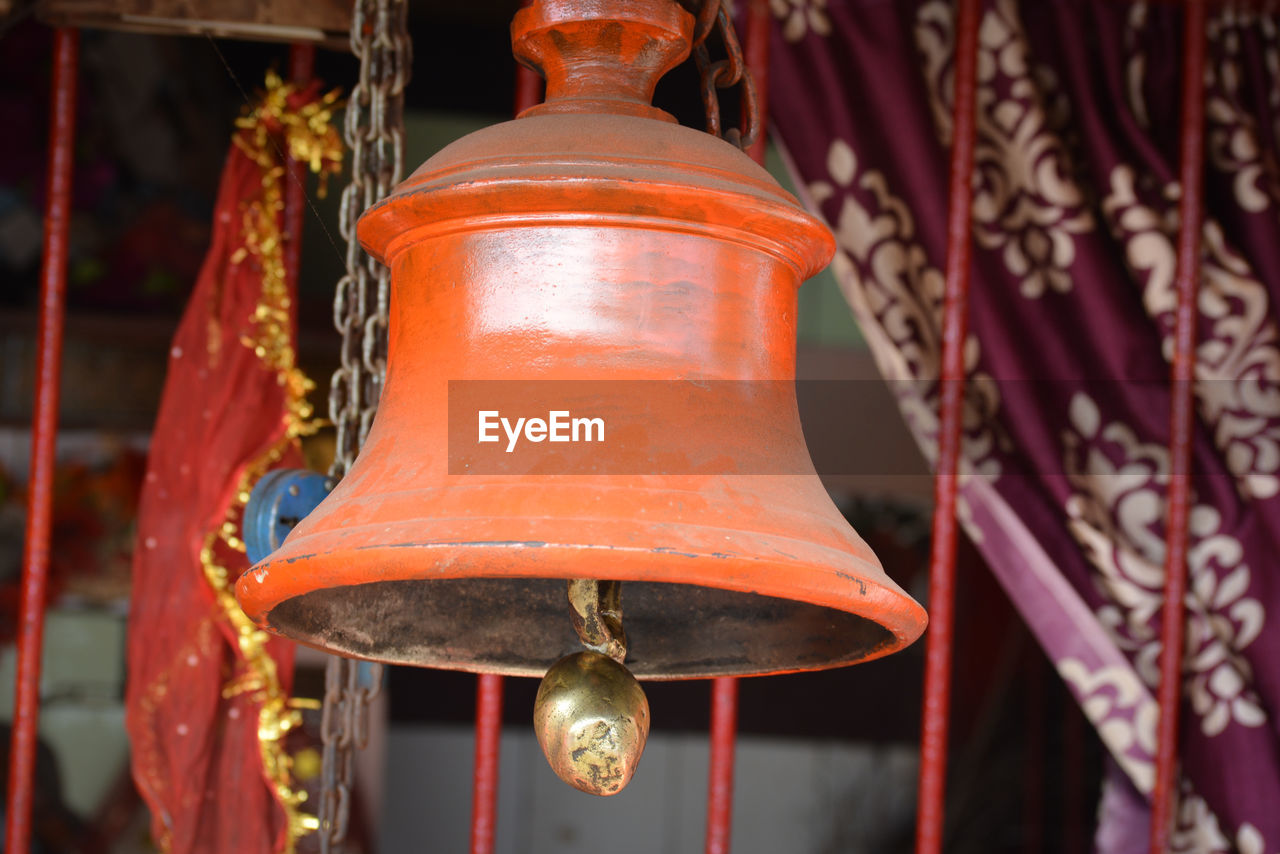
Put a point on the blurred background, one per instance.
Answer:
(826, 762)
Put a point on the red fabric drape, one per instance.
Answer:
(200, 676)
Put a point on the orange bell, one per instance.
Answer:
(590, 241)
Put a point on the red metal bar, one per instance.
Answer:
(724, 732)
(484, 784)
(528, 88)
(755, 50)
(1073, 779)
(1182, 421)
(724, 691)
(937, 668)
(1033, 763)
(302, 63)
(528, 83)
(44, 430)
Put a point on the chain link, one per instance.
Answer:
(374, 133)
(350, 689)
(712, 16)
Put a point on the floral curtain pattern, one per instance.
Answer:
(1067, 416)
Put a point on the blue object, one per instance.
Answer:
(280, 500)
(364, 675)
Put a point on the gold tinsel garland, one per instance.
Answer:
(309, 136)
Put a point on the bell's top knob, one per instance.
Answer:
(602, 56)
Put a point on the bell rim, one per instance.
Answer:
(295, 572)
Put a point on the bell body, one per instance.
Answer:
(581, 249)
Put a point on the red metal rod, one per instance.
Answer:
(1033, 763)
(1073, 780)
(528, 83)
(931, 808)
(724, 732)
(484, 784)
(1182, 421)
(528, 88)
(302, 63)
(44, 432)
(724, 691)
(756, 51)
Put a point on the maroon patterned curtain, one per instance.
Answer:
(1065, 464)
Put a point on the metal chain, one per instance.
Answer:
(374, 133)
(724, 73)
(350, 687)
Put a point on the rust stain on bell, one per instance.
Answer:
(591, 239)
(592, 720)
